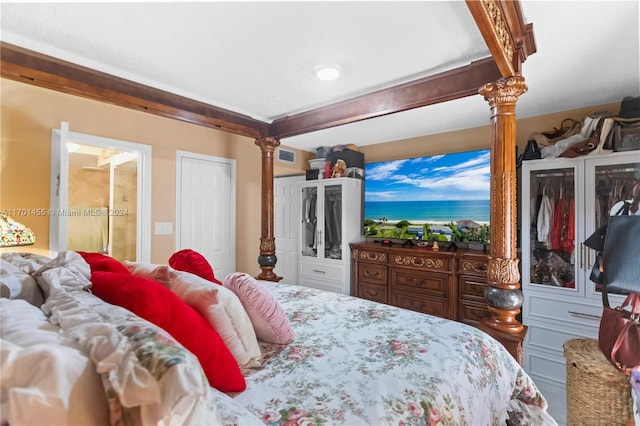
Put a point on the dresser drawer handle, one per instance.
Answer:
(583, 315)
(317, 271)
(371, 274)
(372, 294)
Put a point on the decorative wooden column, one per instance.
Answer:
(503, 295)
(267, 258)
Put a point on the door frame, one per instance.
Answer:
(59, 203)
(180, 155)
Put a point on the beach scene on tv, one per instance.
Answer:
(441, 198)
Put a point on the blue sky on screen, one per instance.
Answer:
(459, 176)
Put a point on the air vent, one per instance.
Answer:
(286, 156)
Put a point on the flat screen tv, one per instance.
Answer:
(432, 198)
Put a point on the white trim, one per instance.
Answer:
(60, 162)
(59, 189)
(180, 155)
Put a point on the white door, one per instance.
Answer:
(206, 209)
(286, 204)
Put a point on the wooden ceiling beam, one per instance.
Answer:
(446, 86)
(45, 71)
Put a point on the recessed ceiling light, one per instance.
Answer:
(328, 72)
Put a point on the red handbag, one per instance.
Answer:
(619, 334)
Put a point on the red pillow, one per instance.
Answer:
(101, 262)
(159, 305)
(193, 262)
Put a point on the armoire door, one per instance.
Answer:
(286, 224)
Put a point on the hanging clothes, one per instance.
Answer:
(555, 234)
(545, 218)
(333, 219)
(567, 242)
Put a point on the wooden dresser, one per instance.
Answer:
(441, 283)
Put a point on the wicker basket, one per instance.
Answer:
(597, 393)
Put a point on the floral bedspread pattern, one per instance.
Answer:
(355, 362)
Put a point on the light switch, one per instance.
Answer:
(164, 228)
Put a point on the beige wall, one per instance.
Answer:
(28, 113)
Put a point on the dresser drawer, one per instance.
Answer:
(432, 263)
(372, 273)
(551, 337)
(471, 288)
(474, 266)
(372, 256)
(333, 273)
(431, 283)
(435, 306)
(557, 311)
(377, 293)
(472, 313)
(333, 286)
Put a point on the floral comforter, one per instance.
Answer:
(356, 362)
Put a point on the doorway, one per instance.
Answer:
(206, 209)
(100, 196)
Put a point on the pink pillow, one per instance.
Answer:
(269, 320)
(101, 262)
(160, 306)
(193, 262)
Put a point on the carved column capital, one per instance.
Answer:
(504, 91)
(268, 144)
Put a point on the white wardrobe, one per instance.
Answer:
(563, 201)
(331, 218)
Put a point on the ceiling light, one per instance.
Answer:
(328, 72)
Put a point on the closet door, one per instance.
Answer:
(552, 228)
(608, 182)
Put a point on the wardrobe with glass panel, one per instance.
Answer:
(331, 218)
(563, 201)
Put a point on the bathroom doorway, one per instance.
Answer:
(100, 196)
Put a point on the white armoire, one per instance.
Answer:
(330, 219)
(563, 201)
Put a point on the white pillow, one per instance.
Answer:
(158, 273)
(17, 284)
(224, 311)
(220, 307)
(44, 377)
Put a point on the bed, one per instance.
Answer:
(333, 359)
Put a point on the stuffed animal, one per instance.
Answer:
(339, 169)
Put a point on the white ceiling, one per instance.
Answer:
(257, 58)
